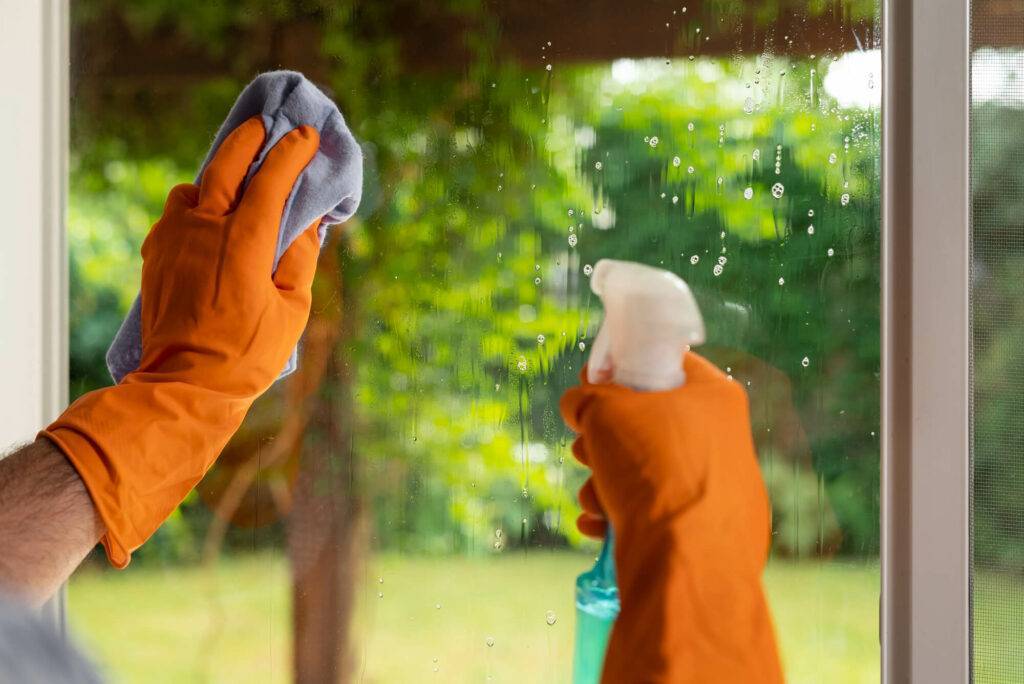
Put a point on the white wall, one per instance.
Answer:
(33, 281)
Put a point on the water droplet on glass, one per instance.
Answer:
(550, 617)
(694, 259)
(583, 346)
(536, 281)
(689, 169)
(844, 199)
(810, 212)
(437, 606)
(598, 165)
(777, 190)
(548, 67)
(805, 362)
(717, 270)
(653, 142)
(832, 158)
(676, 161)
(675, 199)
(588, 270)
(380, 594)
(748, 105)
(830, 252)
(571, 212)
(521, 364)
(755, 155)
(810, 229)
(722, 260)
(748, 193)
(489, 641)
(720, 180)
(572, 240)
(540, 339)
(782, 281)
(689, 126)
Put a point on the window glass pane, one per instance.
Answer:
(406, 500)
(997, 320)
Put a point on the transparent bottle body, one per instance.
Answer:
(597, 606)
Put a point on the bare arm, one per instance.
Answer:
(47, 521)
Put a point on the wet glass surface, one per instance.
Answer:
(403, 506)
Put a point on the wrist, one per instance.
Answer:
(85, 459)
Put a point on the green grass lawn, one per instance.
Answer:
(998, 629)
(433, 621)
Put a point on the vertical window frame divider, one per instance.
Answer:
(925, 618)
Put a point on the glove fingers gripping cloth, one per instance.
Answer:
(330, 186)
(223, 303)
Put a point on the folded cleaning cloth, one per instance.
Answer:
(329, 187)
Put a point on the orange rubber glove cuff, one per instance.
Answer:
(140, 448)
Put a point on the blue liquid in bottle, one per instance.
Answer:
(597, 606)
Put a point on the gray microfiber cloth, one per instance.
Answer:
(330, 186)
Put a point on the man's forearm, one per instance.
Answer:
(47, 521)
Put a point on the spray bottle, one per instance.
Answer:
(650, 319)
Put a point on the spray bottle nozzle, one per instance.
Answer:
(650, 319)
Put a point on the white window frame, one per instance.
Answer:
(33, 194)
(925, 603)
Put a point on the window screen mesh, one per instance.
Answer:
(997, 303)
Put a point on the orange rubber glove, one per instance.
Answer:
(676, 475)
(218, 325)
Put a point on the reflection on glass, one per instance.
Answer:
(402, 507)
